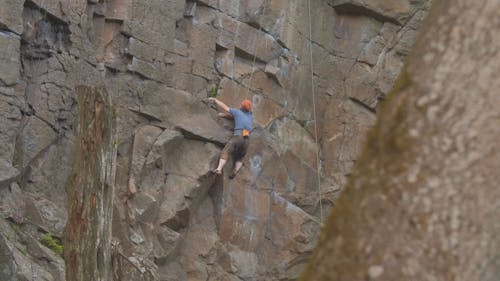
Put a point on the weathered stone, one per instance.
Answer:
(426, 174)
(144, 139)
(266, 169)
(186, 81)
(51, 216)
(199, 252)
(257, 43)
(343, 130)
(261, 218)
(38, 249)
(144, 22)
(118, 9)
(184, 168)
(143, 51)
(302, 175)
(352, 33)
(372, 51)
(8, 172)
(242, 222)
(248, 40)
(259, 82)
(57, 9)
(23, 257)
(265, 109)
(291, 227)
(35, 138)
(291, 136)
(165, 143)
(202, 42)
(361, 86)
(226, 31)
(406, 42)
(11, 15)
(57, 157)
(7, 263)
(114, 42)
(180, 48)
(137, 238)
(244, 264)
(27, 267)
(224, 62)
(166, 244)
(164, 103)
(12, 201)
(384, 10)
(389, 32)
(9, 58)
(391, 66)
(145, 207)
(157, 71)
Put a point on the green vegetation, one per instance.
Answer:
(213, 92)
(49, 241)
(16, 228)
(304, 124)
(115, 110)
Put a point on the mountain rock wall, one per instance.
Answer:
(159, 60)
(423, 203)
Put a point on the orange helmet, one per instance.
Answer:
(246, 105)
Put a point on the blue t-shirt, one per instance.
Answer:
(242, 120)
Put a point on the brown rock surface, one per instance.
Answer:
(389, 10)
(159, 60)
(423, 202)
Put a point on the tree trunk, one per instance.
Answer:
(423, 202)
(87, 238)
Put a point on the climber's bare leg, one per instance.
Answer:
(237, 167)
(222, 162)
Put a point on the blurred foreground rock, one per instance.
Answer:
(423, 202)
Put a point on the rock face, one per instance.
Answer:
(158, 60)
(423, 203)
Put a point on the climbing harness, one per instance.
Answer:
(313, 96)
(314, 113)
(249, 85)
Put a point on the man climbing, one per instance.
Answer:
(238, 144)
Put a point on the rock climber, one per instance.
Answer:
(238, 144)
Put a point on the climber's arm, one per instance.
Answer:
(226, 115)
(220, 104)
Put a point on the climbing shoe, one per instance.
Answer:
(233, 174)
(216, 172)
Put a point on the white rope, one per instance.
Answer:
(314, 112)
(255, 51)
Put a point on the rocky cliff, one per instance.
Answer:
(423, 203)
(159, 60)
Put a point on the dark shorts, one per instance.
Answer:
(237, 147)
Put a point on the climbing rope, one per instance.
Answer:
(44, 23)
(255, 53)
(314, 112)
(254, 60)
(314, 100)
